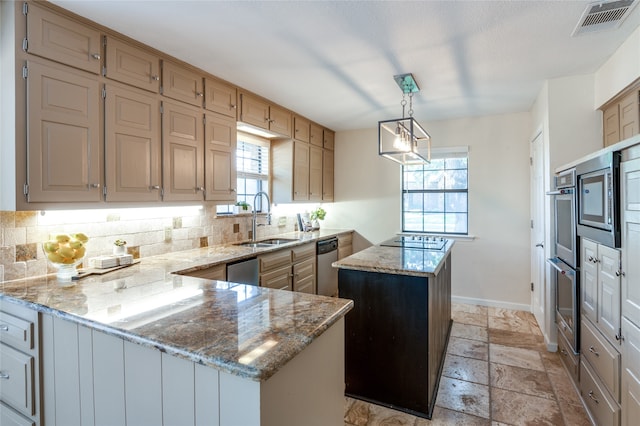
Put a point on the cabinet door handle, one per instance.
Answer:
(233, 106)
(155, 77)
(4, 375)
(199, 94)
(96, 56)
(4, 327)
(94, 185)
(200, 188)
(620, 273)
(154, 187)
(564, 352)
(594, 351)
(593, 397)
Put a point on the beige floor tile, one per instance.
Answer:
(469, 331)
(358, 413)
(469, 318)
(519, 340)
(523, 380)
(382, 416)
(494, 423)
(471, 370)
(519, 409)
(443, 417)
(466, 397)
(574, 415)
(468, 348)
(552, 362)
(472, 309)
(510, 324)
(516, 357)
(564, 388)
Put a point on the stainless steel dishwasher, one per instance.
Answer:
(327, 252)
(244, 272)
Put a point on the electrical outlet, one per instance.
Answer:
(168, 234)
(282, 221)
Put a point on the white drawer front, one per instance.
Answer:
(604, 359)
(16, 379)
(9, 417)
(605, 411)
(16, 331)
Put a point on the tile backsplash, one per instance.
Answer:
(148, 232)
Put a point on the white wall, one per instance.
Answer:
(7, 105)
(492, 269)
(619, 71)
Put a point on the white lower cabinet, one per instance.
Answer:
(93, 378)
(630, 393)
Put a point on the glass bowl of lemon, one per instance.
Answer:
(65, 252)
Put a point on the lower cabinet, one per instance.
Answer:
(93, 378)
(600, 403)
(290, 269)
(630, 381)
(19, 366)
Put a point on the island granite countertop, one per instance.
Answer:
(241, 329)
(397, 260)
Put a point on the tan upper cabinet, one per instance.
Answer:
(621, 118)
(260, 113)
(301, 152)
(329, 139)
(182, 152)
(182, 84)
(316, 135)
(220, 158)
(132, 144)
(131, 65)
(315, 173)
(63, 124)
(220, 97)
(327, 175)
(62, 39)
(301, 128)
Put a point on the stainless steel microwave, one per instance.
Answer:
(599, 199)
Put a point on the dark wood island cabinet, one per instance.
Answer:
(397, 333)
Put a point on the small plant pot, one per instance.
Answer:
(118, 250)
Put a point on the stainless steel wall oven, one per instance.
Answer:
(567, 258)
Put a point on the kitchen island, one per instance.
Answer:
(144, 345)
(397, 333)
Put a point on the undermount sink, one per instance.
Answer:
(276, 241)
(266, 243)
(252, 244)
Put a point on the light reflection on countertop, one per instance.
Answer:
(245, 330)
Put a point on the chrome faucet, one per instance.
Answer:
(254, 224)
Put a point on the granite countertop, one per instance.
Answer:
(241, 329)
(397, 260)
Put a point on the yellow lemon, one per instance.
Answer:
(79, 253)
(62, 238)
(80, 237)
(51, 246)
(68, 260)
(55, 257)
(75, 244)
(66, 252)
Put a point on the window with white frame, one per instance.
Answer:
(252, 163)
(435, 195)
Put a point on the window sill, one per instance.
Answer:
(447, 236)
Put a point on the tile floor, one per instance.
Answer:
(497, 372)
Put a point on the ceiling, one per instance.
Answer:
(334, 61)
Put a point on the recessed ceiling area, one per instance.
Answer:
(334, 61)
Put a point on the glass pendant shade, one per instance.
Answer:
(404, 141)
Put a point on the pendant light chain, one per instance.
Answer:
(410, 105)
(403, 103)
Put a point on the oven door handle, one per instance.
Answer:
(552, 263)
(555, 192)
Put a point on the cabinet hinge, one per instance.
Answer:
(161, 90)
(104, 40)
(25, 72)
(25, 44)
(161, 109)
(25, 8)
(204, 119)
(531, 223)
(531, 286)
(25, 190)
(104, 191)
(104, 71)
(162, 193)
(531, 161)
(104, 93)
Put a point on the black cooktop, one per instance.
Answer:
(419, 242)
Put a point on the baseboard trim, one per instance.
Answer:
(492, 303)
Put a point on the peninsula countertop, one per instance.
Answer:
(397, 260)
(241, 329)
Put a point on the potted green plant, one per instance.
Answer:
(242, 207)
(317, 215)
(119, 247)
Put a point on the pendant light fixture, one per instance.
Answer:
(403, 140)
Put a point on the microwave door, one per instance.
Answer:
(594, 201)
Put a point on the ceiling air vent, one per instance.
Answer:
(604, 15)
